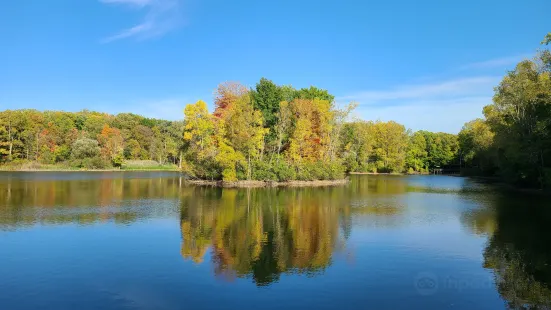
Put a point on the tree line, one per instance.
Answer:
(86, 139)
(269, 132)
(513, 140)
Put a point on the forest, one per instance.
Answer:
(513, 140)
(90, 140)
(275, 132)
(270, 132)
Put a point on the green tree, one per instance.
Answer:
(312, 93)
(266, 98)
(520, 118)
(85, 148)
(417, 155)
(476, 142)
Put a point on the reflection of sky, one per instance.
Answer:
(138, 264)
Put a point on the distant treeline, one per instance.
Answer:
(86, 139)
(513, 141)
(270, 132)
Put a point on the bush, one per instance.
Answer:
(320, 171)
(85, 148)
(93, 163)
(283, 171)
(263, 171)
(336, 170)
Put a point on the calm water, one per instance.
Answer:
(148, 241)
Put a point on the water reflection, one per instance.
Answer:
(263, 233)
(519, 247)
(94, 197)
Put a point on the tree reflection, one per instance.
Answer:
(105, 197)
(262, 233)
(519, 248)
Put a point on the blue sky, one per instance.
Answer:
(427, 64)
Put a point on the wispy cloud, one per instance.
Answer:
(438, 106)
(161, 16)
(462, 87)
(501, 62)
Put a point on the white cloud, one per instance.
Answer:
(446, 89)
(438, 106)
(441, 115)
(161, 16)
(502, 62)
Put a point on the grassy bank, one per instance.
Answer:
(130, 166)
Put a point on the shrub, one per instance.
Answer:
(263, 171)
(94, 163)
(283, 171)
(311, 171)
(85, 148)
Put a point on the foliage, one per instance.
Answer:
(514, 139)
(270, 132)
(85, 148)
(547, 39)
(48, 137)
(266, 98)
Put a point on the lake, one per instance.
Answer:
(146, 240)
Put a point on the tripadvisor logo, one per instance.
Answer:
(426, 283)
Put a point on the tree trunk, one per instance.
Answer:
(10, 138)
(249, 172)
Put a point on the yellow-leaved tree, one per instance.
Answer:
(244, 131)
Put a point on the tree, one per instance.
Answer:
(314, 93)
(226, 94)
(547, 39)
(311, 135)
(198, 129)
(390, 146)
(85, 148)
(283, 125)
(132, 149)
(520, 118)
(266, 98)
(244, 131)
(356, 145)
(476, 143)
(417, 155)
(111, 142)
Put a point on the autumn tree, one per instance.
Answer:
(311, 135)
(226, 94)
(244, 130)
(112, 144)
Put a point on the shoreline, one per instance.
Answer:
(258, 184)
(86, 170)
(388, 173)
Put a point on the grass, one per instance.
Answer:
(131, 165)
(141, 165)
